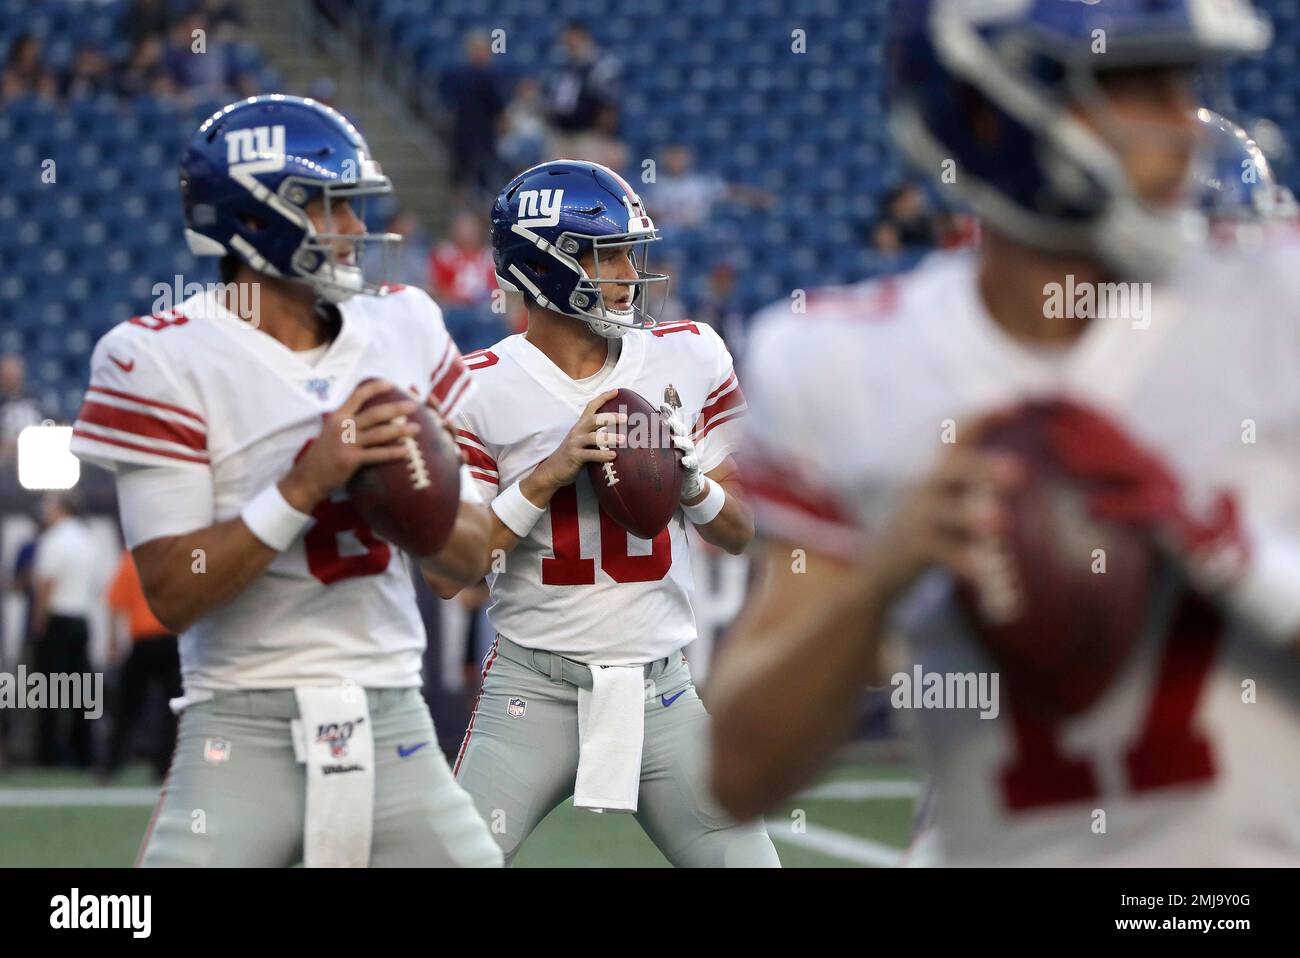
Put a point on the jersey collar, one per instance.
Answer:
(572, 393)
(336, 368)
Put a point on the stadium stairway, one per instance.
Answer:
(304, 48)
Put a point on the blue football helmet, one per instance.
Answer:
(249, 173)
(983, 89)
(550, 217)
(1236, 179)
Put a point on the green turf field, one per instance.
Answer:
(858, 815)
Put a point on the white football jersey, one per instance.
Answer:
(579, 584)
(1189, 757)
(199, 388)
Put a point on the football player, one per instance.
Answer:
(232, 422)
(1181, 412)
(585, 691)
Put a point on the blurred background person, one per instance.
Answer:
(64, 596)
(523, 128)
(720, 307)
(25, 73)
(410, 262)
(475, 95)
(908, 222)
(92, 74)
(905, 222)
(17, 409)
(684, 198)
(582, 93)
(463, 279)
(152, 665)
(20, 583)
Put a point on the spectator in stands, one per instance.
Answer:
(582, 96)
(223, 16)
(145, 72)
(474, 93)
(463, 280)
(153, 662)
(196, 58)
(907, 222)
(461, 268)
(17, 409)
(720, 308)
(148, 18)
(64, 596)
(91, 74)
(684, 198)
(667, 306)
(523, 128)
(25, 73)
(412, 260)
(602, 145)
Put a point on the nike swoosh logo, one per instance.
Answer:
(125, 367)
(669, 701)
(404, 752)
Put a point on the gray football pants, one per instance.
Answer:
(520, 763)
(236, 795)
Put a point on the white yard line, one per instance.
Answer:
(77, 797)
(857, 790)
(836, 844)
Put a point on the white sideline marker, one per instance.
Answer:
(77, 797)
(836, 844)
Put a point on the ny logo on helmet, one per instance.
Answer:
(258, 149)
(540, 207)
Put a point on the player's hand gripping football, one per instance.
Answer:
(941, 520)
(693, 480)
(588, 441)
(349, 440)
(1133, 487)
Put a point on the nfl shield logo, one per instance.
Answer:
(216, 751)
(516, 707)
(320, 387)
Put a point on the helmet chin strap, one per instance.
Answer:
(329, 286)
(605, 329)
(1139, 243)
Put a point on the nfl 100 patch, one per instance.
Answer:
(216, 751)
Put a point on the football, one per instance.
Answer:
(412, 502)
(1061, 599)
(641, 488)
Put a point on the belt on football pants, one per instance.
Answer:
(560, 669)
(283, 703)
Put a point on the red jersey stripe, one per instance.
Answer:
(147, 402)
(167, 453)
(142, 424)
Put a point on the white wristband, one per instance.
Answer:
(1268, 595)
(271, 518)
(513, 508)
(707, 509)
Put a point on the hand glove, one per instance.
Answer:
(693, 482)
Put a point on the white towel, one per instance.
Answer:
(333, 737)
(611, 732)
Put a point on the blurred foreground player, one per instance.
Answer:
(232, 423)
(1181, 414)
(586, 691)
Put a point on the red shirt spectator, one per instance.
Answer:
(461, 269)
